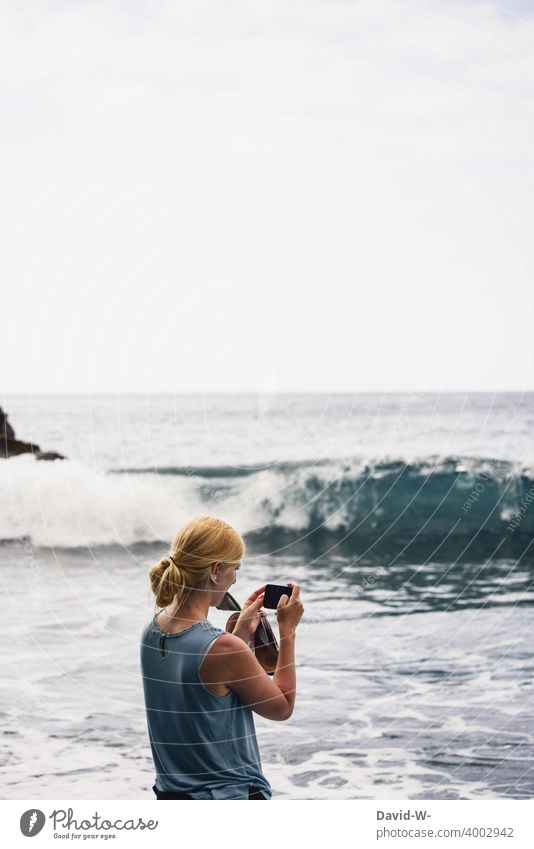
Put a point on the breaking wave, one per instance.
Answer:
(433, 505)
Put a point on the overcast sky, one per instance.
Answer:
(267, 196)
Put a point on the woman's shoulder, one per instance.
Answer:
(224, 653)
(233, 649)
(226, 641)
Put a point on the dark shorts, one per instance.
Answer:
(253, 793)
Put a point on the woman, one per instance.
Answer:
(202, 684)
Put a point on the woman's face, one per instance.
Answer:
(227, 577)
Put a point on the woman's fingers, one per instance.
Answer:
(260, 592)
(256, 594)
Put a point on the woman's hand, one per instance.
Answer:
(249, 617)
(289, 611)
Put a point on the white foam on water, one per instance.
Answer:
(64, 503)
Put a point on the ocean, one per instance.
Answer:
(407, 520)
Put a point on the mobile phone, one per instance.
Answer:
(273, 594)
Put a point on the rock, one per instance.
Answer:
(6, 431)
(49, 455)
(11, 447)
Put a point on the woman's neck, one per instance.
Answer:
(190, 611)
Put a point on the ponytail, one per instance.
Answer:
(195, 547)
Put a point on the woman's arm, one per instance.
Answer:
(285, 676)
(236, 665)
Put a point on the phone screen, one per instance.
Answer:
(273, 594)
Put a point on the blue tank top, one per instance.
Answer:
(202, 744)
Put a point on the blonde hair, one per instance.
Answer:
(195, 547)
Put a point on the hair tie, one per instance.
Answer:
(171, 558)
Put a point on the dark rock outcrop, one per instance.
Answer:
(10, 446)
